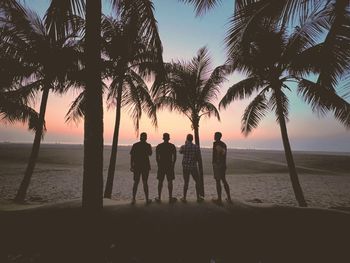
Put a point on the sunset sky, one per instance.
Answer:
(182, 35)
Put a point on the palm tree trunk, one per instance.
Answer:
(93, 122)
(22, 191)
(298, 192)
(114, 151)
(200, 162)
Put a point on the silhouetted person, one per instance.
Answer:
(140, 165)
(219, 166)
(166, 158)
(190, 159)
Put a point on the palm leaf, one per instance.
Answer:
(202, 6)
(254, 112)
(241, 90)
(323, 100)
(77, 108)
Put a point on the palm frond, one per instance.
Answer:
(209, 110)
(241, 90)
(254, 112)
(202, 6)
(323, 100)
(212, 86)
(12, 110)
(61, 17)
(278, 97)
(336, 47)
(137, 99)
(307, 62)
(77, 108)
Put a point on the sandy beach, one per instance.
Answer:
(253, 175)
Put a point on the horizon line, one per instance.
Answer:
(204, 147)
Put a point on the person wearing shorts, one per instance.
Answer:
(140, 165)
(190, 159)
(219, 167)
(166, 158)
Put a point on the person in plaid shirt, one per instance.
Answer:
(191, 154)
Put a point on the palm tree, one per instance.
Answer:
(60, 12)
(330, 17)
(128, 60)
(24, 31)
(190, 88)
(272, 59)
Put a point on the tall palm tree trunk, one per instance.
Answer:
(93, 122)
(298, 192)
(22, 191)
(200, 162)
(114, 150)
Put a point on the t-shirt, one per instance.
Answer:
(219, 153)
(140, 153)
(165, 154)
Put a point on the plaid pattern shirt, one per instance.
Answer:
(190, 153)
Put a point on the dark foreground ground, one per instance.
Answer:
(191, 232)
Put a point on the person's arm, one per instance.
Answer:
(225, 154)
(132, 160)
(149, 150)
(213, 154)
(181, 151)
(174, 155)
(157, 154)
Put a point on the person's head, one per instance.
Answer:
(143, 137)
(166, 137)
(189, 137)
(217, 136)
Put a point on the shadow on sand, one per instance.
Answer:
(190, 232)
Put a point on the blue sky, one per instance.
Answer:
(182, 35)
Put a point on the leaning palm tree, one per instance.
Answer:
(59, 13)
(190, 88)
(47, 58)
(130, 58)
(272, 59)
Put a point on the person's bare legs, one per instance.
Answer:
(145, 185)
(195, 176)
(186, 175)
(227, 189)
(145, 189)
(134, 188)
(160, 187)
(218, 189)
(170, 188)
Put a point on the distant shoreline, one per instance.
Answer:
(323, 152)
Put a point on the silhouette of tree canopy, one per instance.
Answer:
(319, 19)
(38, 64)
(271, 59)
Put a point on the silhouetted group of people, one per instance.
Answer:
(166, 159)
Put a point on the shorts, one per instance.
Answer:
(138, 173)
(219, 172)
(168, 172)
